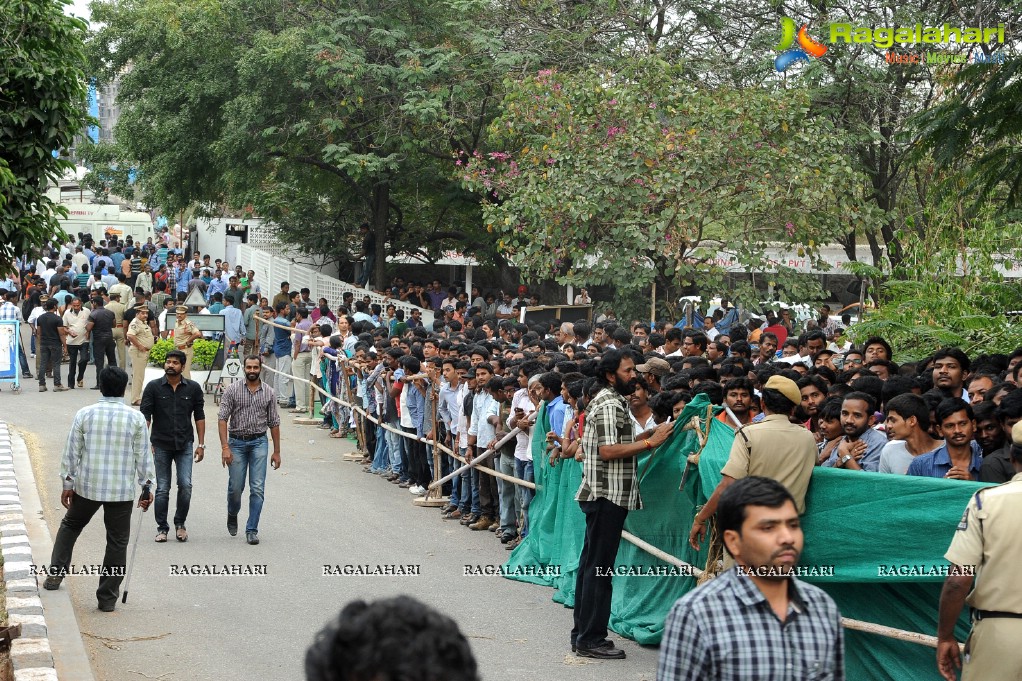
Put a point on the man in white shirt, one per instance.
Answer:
(583, 298)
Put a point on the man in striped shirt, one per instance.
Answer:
(108, 445)
(247, 409)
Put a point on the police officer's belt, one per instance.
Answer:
(978, 615)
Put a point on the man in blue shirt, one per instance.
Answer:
(282, 351)
(960, 457)
(861, 446)
(551, 382)
(216, 285)
(184, 275)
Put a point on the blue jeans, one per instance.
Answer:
(182, 460)
(381, 459)
(367, 269)
(509, 506)
(249, 457)
(523, 470)
(395, 446)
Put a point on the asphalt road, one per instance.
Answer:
(319, 510)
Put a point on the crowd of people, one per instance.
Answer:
(599, 392)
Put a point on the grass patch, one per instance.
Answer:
(6, 668)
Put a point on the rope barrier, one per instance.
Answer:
(846, 622)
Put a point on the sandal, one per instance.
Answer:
(182, 534)
(336, 435)
(161, 537)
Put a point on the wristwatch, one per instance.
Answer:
(845, 459)
(200, 446)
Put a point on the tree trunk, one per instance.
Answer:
(380, 217)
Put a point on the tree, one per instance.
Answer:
(979, 124)
(42, 111)
(950, 288)
(637, 176)
(318, 117)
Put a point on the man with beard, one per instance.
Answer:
(247, 409)
(814, 392)
(750, 618)
(861, 446)
(950, 367)
(774, 448)
(609, 490)
(738, 398)
(169, 406)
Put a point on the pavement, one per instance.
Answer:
(319, 510)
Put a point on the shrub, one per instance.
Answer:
(204, 353)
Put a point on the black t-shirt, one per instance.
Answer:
(103, 323)
(48, 323)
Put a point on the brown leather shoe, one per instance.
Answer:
(453, 515)
(483, 523)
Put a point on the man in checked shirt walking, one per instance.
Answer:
(107, 445)
(756, 620)
(247, 409)
(610, 489)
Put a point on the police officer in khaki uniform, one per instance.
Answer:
(117, 306)
(140, 338)
(773, 448)
(985, 555)
(185, 334)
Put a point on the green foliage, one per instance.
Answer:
(106, 174)
(158, 353)
(42, 110)
(979, 127)
(318, 117)
(950, 288)
(204, 352)
(635, 176)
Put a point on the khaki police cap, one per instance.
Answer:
(786, 387)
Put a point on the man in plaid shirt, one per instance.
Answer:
(756, 620)
(609, 490)
(107, 446)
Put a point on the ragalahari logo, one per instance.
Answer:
(806, 46)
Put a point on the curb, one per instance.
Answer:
(30, 655)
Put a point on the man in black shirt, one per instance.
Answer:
(169, 405)
(100, 329)
(49, 329)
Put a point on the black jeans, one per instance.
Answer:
(117, 519)
(418, 468)
(489, 497)
(77, 354)
(604, 522)
(50, 355)
(104, 351)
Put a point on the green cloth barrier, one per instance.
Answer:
(860, 528)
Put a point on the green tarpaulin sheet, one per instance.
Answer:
(865, 527)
